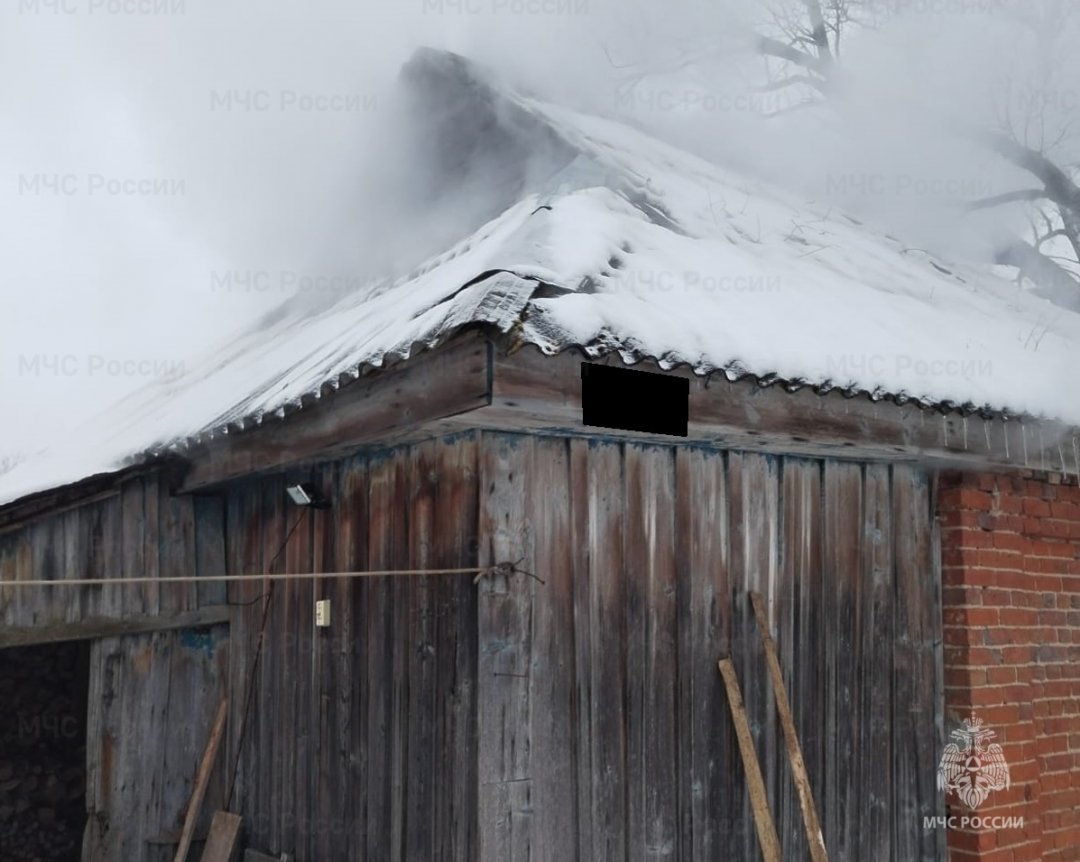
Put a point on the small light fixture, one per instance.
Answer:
(307, 494)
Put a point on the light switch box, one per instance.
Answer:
(322, 612)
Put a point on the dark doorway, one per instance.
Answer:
(43, 693)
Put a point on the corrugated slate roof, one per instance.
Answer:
(625, 244)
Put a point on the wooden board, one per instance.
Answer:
(505, 654)
(791, 737)
(223, 840)
(542, 394)
(437, 383)
(604, 538)
(759, 801)
(705, 756)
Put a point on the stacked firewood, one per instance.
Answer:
(42, 755)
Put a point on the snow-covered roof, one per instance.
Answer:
(624, 243)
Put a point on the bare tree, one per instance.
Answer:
(803, 41)
(1028, 139)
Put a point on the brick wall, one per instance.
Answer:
(1011, 606)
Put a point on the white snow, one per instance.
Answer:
(670, 257)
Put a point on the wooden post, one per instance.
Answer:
(791, 738)
(202, 778)
(763, 822)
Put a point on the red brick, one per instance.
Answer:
(1037, 508)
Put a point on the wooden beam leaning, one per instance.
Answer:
(798, 767)
(759, 800)
(223, 842)
(202, 778)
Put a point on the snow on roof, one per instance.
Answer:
(634, 246)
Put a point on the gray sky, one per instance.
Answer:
(172, 169)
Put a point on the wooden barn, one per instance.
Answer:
(533, 566)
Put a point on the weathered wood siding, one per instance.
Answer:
(152, 695)
(604, 732)
(152, 700)
(137, 530)
(360, 742)
(578, 718)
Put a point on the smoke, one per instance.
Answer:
(175, 168)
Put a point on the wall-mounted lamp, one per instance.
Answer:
(307, 494)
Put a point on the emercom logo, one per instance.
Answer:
(971, 768)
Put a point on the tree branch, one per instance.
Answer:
(1059, 186)
(775, 48)
(1007, 198)
(818, 32)
(1052, 280)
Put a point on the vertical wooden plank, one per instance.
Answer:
(456, 523)
(552, 733)
(8, 573)
(585, 640)
(754, 513)
(504, 661)
(607, 666)
(23, 568)
(350, 652)
(296, 632)
(146, 768)
(329, 756)
(133, 552)
(351, 647)
(209, 514)
(163, 540)
(176, 516)
(801, 657)
(874, 668)
(843, 567)
(382, 798)
(46, 544)
(72, 565)
(635, 610)
(421, 755)
(704, 612)
(108, 535)
(401, 645)
(103, 525)
(266, 759)
(916, 681)
(651, 654)
(243, 557)
(97, 757)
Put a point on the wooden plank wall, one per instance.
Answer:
(603, 727)
(578, 718)
(360, 742)
(138, 530)
(152, 700)
(152, 695)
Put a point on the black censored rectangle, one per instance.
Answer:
(634, 400)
